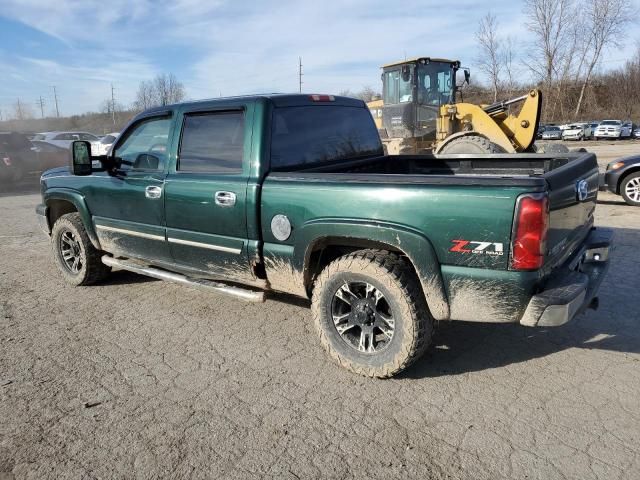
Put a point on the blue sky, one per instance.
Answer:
(228, 47)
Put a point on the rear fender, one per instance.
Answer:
(78, 201)
(412, 243)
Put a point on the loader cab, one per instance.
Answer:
(413, 92)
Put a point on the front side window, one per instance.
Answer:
(435, 83)
(391, 86)
(212, 143)
(144, 147)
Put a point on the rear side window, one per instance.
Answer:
(212, 143)
(303, 136)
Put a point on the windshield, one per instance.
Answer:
(611, 122)
(108, 139)
(303, 136)
(552, 129)
(435, 83)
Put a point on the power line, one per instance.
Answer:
(55, 97)
(300, 74)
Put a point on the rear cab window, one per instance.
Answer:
(306, 136)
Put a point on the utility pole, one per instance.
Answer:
(40, 103)
(300, 74)
(55, 97)
(113, 105)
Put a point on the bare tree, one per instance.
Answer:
(145, 96)
(162, 90)
(168, 89)
(549, 21)
(22, 111)
(605, 21)
(489, 61)
(509, 64)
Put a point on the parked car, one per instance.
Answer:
(105, 144)
(593, 126)
(636, 133)
(614, 129)
(64, 139)
(577, 131)
(8, 171)
(294, 194)
(541, 129)
(623, 178)
(18, 148)
(49, 155)
(552, 133)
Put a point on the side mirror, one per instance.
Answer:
(467, 76)
(406, 73)
(80, 158)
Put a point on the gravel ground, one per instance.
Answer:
(145, 379)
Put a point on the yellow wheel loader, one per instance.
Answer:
(419, 112)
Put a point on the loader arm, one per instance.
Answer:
(513, 133)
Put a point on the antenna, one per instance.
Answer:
(300, 74)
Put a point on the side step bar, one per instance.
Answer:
(201, 284)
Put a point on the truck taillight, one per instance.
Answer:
(6, 161)
(529, 238)
(322, 98)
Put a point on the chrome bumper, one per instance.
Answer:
(571, 290)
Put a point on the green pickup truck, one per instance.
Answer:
(293, 193)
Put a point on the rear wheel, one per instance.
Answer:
(471, 144)
(370, 313)
(630, 189)
(77, 259)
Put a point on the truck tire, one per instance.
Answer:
(370, 313)
(77, 259)
(471, 144)
(630, 189)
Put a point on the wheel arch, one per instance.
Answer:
(324, 241)
(62, 201)
(624, 174)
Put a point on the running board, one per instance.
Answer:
(201, 284)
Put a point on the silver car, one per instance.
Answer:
(552, 133)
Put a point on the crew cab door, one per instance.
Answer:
(128, 205)
(206, 193)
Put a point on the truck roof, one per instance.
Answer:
(277, 99)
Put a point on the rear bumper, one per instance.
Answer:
(573, 288)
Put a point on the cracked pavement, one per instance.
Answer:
(138, 378)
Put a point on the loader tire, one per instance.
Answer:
(471, 144)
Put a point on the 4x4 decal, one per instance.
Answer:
(482, 248)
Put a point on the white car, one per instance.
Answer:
(612, 129)
(64, 139)
(105, 144)
(577, 131)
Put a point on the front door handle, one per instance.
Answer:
(225, 199)
(153, 192)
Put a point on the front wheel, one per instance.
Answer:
(77, 259)
(630, 189)
(370, 313)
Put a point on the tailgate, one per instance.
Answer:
(573, 191)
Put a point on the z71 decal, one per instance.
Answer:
(479, 248)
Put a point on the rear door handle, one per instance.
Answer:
(153, 192)
(225, 199)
